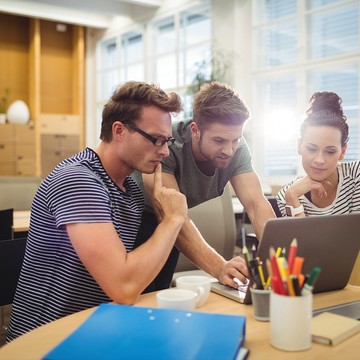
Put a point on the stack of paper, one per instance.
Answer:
(126, 332)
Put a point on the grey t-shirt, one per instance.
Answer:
(197, 186)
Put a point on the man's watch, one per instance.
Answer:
(291, 211)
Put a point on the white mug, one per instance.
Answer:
(200, 284)
(180, 299)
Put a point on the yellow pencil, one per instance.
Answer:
(261, 273)
(268, 266)
(278, 252)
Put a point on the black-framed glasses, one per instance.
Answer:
(157, 141)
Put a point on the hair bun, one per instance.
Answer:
(326, 101)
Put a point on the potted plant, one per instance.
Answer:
(4, 100)
(206, 71)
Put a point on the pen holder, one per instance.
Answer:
(290, 321)
(261, 304)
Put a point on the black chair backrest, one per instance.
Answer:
(272, 200)
(273, 203)
(11, 259)
(6, 224)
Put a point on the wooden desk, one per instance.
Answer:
(22, 218)
(38, 342)
(21, 221)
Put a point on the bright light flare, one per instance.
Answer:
(280, 126)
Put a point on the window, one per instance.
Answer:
(333, 31)
(195, 42)
(179, 43)
(164, 44)
(121, 59)
(132, 57)
(279, 124)
(305, 46)
(276, 34)
(109, 75)
(175, 44)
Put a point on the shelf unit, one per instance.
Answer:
(43, 63)
(17, 150)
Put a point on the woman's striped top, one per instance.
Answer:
(347, 196)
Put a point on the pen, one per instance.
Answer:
(261, 273)
(275, 281)
(276, 277)
(253, 251)
(310, 281)
(281, 266)
(268, 267)
(283, 252)
(292, 254)
(301, 280)
(284, 271)
(243, 236)
(278, 252)
(290, 286)
(247, 255)
(295, 283)
(255, 273)
(297, 266)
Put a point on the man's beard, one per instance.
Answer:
(212, 163)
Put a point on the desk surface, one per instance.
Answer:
(38, 342)
(22, 218)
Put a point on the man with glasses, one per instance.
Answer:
(209, 151)
(157, 141)
(87, 212)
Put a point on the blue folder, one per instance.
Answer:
(127, 332)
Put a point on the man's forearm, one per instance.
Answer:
(259, 218)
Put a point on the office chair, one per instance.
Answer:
(215, 219)
(6, 224)
(11, 259)
(273, 202)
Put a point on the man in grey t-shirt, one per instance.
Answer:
(209, 151)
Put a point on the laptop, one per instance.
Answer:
(330, 242)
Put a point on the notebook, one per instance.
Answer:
(331, 329)
(330, 242)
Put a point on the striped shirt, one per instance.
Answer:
(53, 281)
(347, 198)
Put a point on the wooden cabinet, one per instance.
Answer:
(59, 139)
(42, 64)
(6, 151)
(55, 149)
(17, 150)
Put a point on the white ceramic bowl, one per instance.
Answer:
(181, 299)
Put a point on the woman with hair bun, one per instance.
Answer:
(329, 187)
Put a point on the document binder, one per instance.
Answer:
(126, 332)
